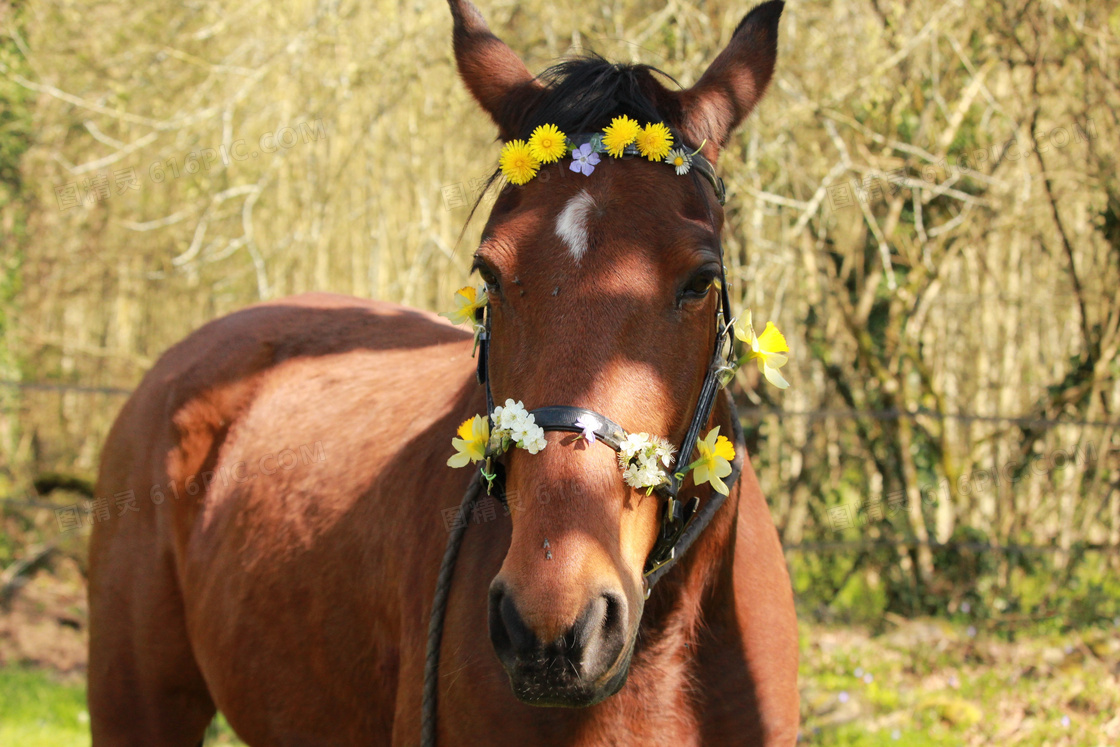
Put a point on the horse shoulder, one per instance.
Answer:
(306, 440)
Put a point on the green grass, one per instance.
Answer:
(921, 683)
(38, 710)
(936, 682)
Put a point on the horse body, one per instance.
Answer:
(283, 489)
(297, 601)
(254, 566)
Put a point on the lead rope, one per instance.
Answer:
(439, 614)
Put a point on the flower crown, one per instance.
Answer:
(520, 161)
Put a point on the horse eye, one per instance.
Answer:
(698, 286)
(487, 276)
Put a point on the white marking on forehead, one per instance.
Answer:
(572, 223)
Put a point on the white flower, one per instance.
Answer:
(514, 424)
(511, 417)
(664, 450)
(651, 474)
(534, 440)
(644, 475)
(630, 476)
(520, 429)
(589, 424)
(679, 159)
(641, 457)
(633, 444)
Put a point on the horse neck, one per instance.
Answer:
(699, 588)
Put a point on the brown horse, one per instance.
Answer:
(275, 495)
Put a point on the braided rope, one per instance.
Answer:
(430, 708)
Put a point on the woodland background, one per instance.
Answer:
(926, 202)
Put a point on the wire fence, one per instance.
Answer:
(899, 414)
(1025, 421)
(819, 546)
(812, 547)
(1011, 549)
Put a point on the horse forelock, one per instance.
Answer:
(583, 94)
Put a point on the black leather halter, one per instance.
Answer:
(680, 525)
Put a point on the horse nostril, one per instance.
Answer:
(509, 634)
(616, 613)
(599, 634)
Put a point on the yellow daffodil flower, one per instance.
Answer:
(655, 141)
(744, 330)
(517, 162)
(470, 446)
(769, 349)
(716, 454)
(467, 303)
(618, 134)
(548, 144)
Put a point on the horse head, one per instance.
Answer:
(603, 284)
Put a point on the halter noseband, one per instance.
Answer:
(680, 525)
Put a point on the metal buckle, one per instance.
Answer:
(652, 565)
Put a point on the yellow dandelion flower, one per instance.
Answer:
(470, 446)
(548, 144)
(655, 141)
(621, 132)
(518, 163)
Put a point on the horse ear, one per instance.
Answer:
(735, 81)
(491, 70)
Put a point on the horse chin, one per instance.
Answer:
(533, 691)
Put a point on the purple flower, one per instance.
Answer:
(584, 160)
(587, 422)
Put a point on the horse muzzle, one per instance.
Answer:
(585, 665)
